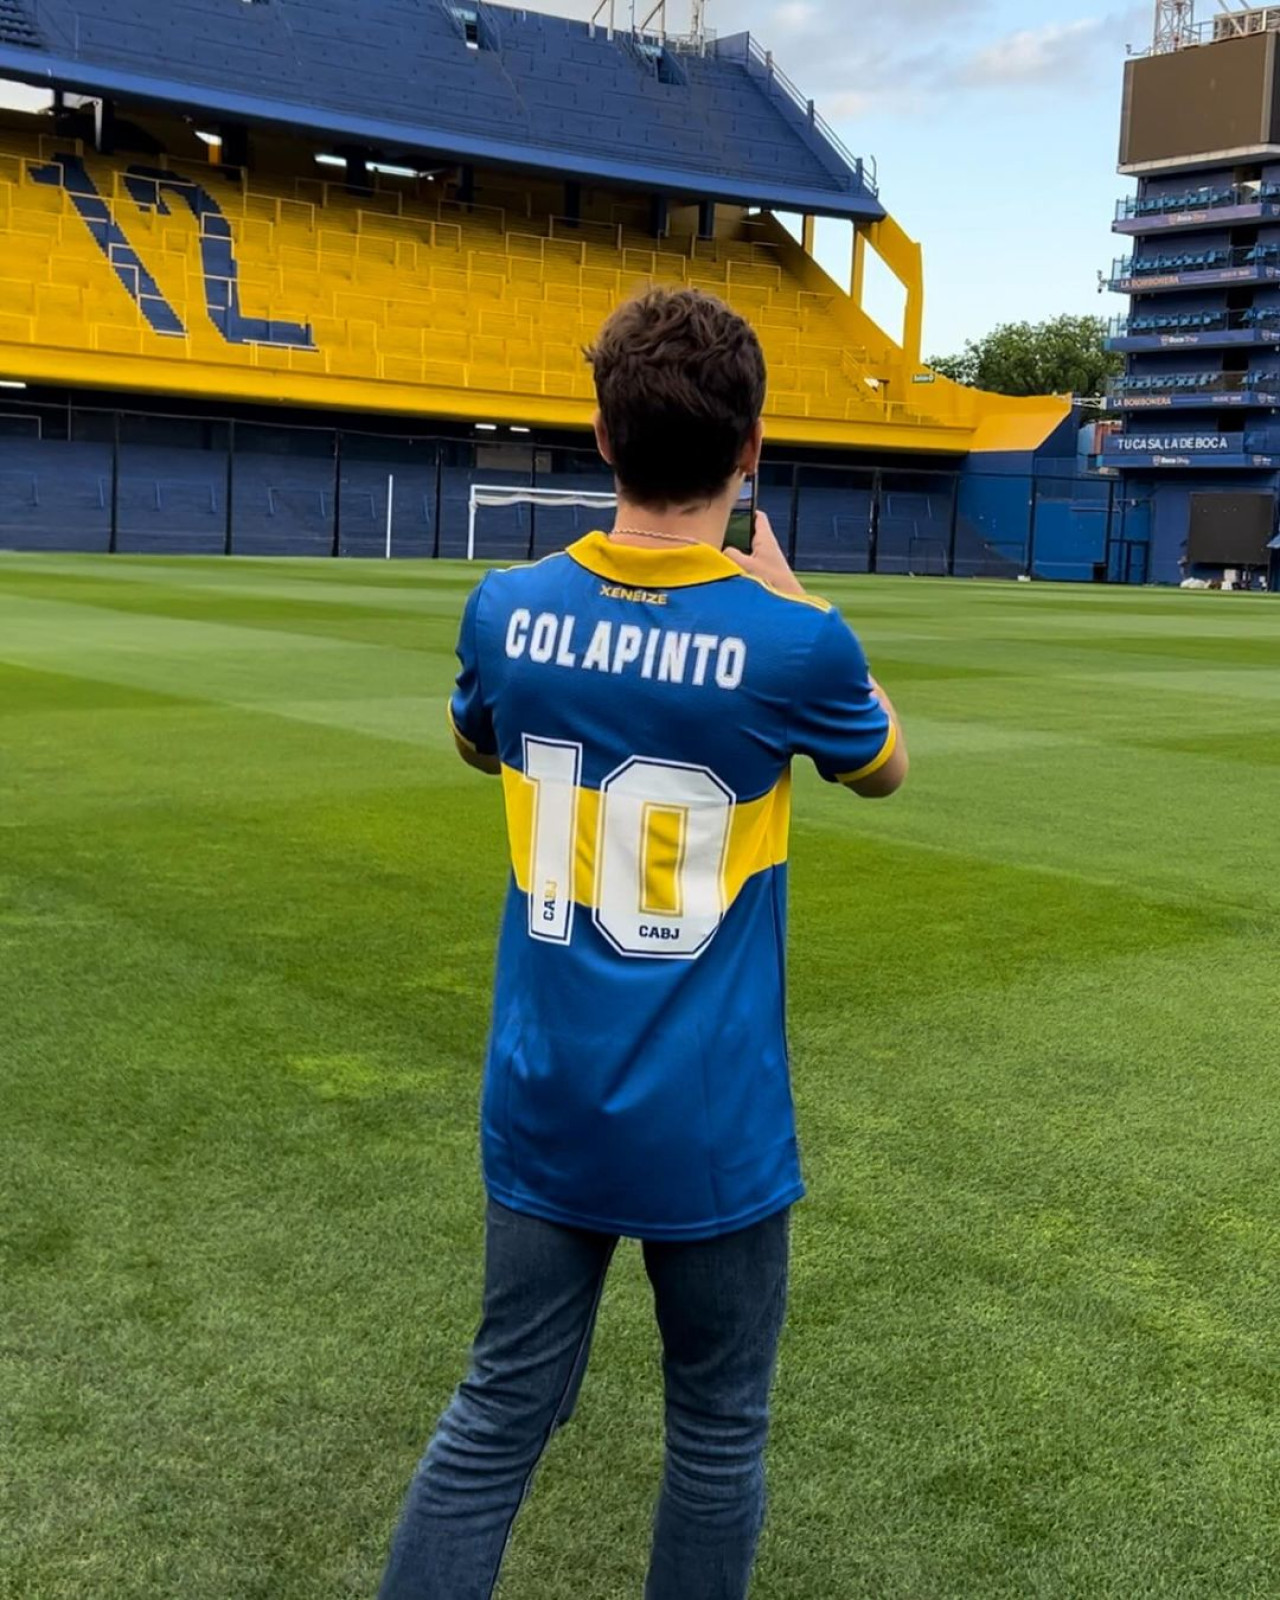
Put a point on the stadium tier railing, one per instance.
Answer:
(1217, 258)
(860, 174)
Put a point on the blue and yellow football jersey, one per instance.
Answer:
(646, 706)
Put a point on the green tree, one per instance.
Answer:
(960, 369)
(1066, 355)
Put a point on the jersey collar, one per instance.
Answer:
(673, 567)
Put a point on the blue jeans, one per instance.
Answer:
(720, 1306)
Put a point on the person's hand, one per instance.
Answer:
(766, 560)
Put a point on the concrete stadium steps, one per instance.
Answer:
(541, 84)
(17, 25)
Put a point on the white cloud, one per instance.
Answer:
(1032, 55)
(796, 14)
(904, 57)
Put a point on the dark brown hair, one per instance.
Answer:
(681, 383)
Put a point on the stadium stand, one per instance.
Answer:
(424, 211)
(456, 308)
(501, 82)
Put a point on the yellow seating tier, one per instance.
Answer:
(407, 303)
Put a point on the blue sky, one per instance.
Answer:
(995, 126)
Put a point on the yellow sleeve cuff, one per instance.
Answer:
(460, 737)
(872, 767)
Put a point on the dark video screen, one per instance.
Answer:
(1231, 530)
(1199, 102)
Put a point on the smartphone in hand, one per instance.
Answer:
(742, 523)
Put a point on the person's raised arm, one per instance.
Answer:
(470, 717)
(889, 778)
(491, 766)
(843, 720)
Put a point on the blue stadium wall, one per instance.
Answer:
(97, 472)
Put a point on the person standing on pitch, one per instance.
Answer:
(642, 696)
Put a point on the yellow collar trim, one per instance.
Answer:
(673, 567)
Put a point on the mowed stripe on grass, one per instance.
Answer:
(247, 907)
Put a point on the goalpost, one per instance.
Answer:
(502, 494)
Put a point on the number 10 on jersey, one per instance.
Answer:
(661, 842)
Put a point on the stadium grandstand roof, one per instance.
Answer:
(460, 79)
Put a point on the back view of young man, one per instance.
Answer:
(642, 697)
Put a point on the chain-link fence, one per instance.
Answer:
(133, 482)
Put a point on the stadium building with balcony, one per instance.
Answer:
(1199, 445)
(297, 275)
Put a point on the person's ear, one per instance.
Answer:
(602, 438)
(749, 466)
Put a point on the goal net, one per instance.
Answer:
(560, 517)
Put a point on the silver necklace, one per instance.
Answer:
(653, 533)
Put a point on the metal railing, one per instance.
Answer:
(1205, 199)
(1226, 25)
(1215, 260)
(1192, 322)
(865, 170)
(1167, 383)
(641, 49)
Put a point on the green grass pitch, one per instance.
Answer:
(248, 902)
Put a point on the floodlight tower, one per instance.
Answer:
(1175, 22)
(698, 26)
